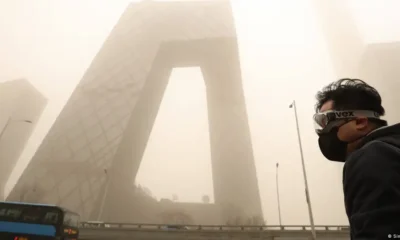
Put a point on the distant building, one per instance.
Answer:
(379, 67)
(376, 63)
(21, 105)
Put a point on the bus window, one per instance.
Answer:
(33, 214)
(51, 218)
(12, 213)
(71, 220)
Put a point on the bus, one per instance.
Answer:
(28, 221)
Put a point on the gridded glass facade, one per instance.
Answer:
(76, 162)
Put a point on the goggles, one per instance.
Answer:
(325, 121)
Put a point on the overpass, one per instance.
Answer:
(124, 231)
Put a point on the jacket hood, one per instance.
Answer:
(388, 134)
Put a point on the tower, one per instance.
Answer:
(90, 157)
(343, 39)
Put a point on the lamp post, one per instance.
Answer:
(277, 194)
(310, 213)
(103, 200)
(9, 121)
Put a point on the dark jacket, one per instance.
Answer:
(371, 183)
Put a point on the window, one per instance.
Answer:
(71, 219)
(51, 218)
(29, 214)
(32, 214)
(10, 214)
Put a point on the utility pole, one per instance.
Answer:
(277, 194)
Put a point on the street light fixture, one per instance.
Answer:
(310, 213)
(9, 121)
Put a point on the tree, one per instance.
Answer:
(176, 216)
(148, 192)
(144, 192)
(258, 220)
(205, 199)
(234, 214)
(165, 200)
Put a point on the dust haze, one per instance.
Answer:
(288, 50)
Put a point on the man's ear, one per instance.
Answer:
(361, 123)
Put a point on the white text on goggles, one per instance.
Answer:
(325, 121)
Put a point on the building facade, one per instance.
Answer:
(21, 106)
(91, 155)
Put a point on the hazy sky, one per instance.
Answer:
(52, 42)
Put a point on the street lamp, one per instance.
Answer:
(293, 105)
(103, 200)
(277, 194)
(9, 121)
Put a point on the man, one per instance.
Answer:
(350, 130)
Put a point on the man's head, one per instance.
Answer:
(347, 110)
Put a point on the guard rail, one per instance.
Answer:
(145, 226)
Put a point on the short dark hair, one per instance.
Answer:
(351, 94)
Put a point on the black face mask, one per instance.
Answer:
(332, 147)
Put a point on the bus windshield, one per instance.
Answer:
(30, 213)
(71, 219)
